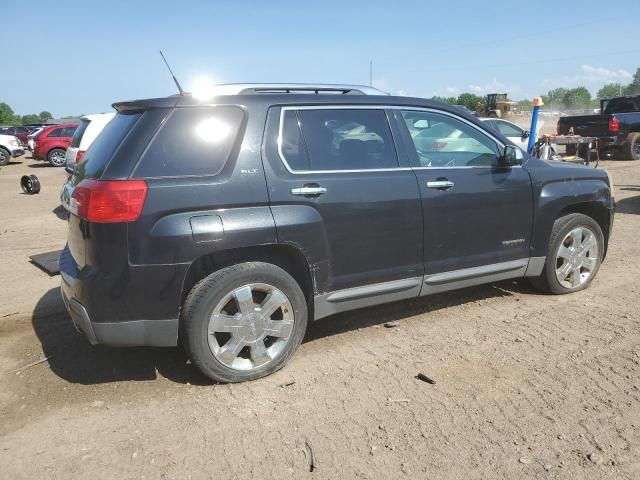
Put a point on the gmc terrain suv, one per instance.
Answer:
(228, 224)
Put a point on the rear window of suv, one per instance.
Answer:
(75, 141)
(192, 142)
(105, 145)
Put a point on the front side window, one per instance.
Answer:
(337, 139)
(443, 141)
(55, 132)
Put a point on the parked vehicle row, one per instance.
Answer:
(20, 131)
(229, 224)
(57, 144)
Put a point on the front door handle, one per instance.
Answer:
(440, 184)
(309, 191)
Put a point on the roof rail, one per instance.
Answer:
(254, 88)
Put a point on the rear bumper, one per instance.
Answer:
(611, 142)
(129, 333)
(17, 152)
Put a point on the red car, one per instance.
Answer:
(52, 143)
(20, 132)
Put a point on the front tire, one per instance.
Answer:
(576, 248)
(5, 157)
(57, 157)
(243, 322)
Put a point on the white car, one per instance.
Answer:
(31, 138)
(89, 128)
(518, 135)
(10, 147)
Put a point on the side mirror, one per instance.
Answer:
(512, 156)
(526, 134)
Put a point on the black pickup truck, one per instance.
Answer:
(617, 127)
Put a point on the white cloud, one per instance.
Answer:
(452, 89)
(493, 86)
(590, 76)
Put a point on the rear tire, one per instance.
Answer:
(631, 149)
(57, 157)
(5, 157)
(249, 341)
(570, 235)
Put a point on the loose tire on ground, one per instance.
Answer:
(30, 184)
(57, 157)
(5, 157)
(562, 228)
(239, 325)
(631, 149)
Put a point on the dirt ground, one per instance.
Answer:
(526, 385)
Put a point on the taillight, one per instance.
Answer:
(79, 156)
(109, 201)
(614, 125)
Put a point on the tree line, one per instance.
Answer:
(8, 117)
(558, 98)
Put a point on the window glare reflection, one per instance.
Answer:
(212, 130)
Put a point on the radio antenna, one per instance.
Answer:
(175, 80)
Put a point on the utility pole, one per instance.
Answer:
(371, 73)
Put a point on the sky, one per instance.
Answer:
(77, 57)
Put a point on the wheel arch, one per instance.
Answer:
(287, 257)
(595, 210)
(54, 148)
(589, 196)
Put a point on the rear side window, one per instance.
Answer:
(337, 139)
(68, 131)
(105, 145)
(77, 136)
(192, 142)
(623, 105)
(55, 132)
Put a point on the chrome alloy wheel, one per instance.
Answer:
(577, 257)
(250, 326)
(58, 158)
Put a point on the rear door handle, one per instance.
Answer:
(440, 184)
(309, 191)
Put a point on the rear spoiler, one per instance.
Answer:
(147, 104)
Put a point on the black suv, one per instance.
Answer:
(227, 223)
